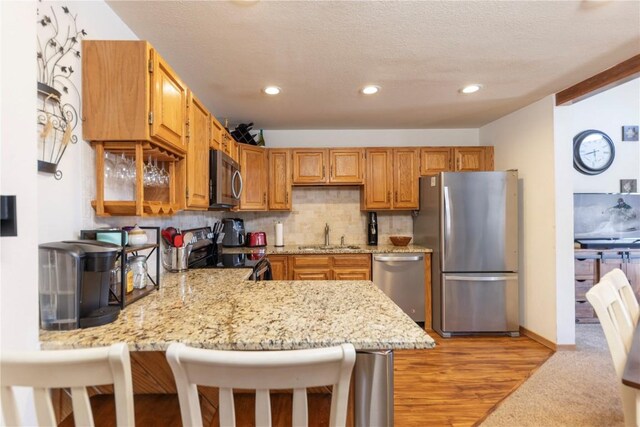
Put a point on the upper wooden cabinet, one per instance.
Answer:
(279, 180)
(347, 166)
(378, 184)
(130, 93)
(391, 179)
(198, 154)
(253, 168)
(434, 160)
(328, 166)
(405, 179)
(216, 134)
(467, 159)
(309, 166)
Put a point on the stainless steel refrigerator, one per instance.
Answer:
(470, 220)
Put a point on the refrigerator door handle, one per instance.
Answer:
(482, 278)
(446, 215)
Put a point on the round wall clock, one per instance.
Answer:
(593, 152)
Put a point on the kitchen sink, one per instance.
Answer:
(327, 247)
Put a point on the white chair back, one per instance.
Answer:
(75, 369)
(261, 371)
(618, 331)
(622, 285)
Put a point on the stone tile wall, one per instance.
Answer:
(313, 207)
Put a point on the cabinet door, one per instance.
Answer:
(235, 150)
(312, 274)
(351, 274)
(226, 142)
(197, 155)
(632, 270)
(405, 182)
(469, 159)
(347, 166)
(216, 134)
(378, 178)
(434, 160)
(279, 179)
(309, 166)
(279, 267)
(253, 168)
(610, 259)
(168, 103)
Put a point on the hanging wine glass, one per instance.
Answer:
(109, 166)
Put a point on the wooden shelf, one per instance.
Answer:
(149, 201)
(137, 294)
(128, 208)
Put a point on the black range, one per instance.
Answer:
(207, 254)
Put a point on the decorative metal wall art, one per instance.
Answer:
(58, 38)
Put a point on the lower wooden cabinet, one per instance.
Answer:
(591, 265)
(312, 275)
(321, 267)
(351, 274)
(279, 266)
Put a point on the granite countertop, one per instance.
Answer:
(362, 249)
(219, 309)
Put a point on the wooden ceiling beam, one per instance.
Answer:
(614, 76)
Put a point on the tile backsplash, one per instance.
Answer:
(313, 207)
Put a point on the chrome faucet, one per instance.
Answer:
(326, 234)
(342, 240)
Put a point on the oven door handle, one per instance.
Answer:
(263, 268)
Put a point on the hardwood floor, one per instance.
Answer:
(462, 380)
(458, 383)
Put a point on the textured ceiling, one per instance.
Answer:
(322, 52)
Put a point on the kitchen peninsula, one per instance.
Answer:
(221, 310)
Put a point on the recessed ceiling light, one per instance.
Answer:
(271, 90)
(370, 90)
(471, 88)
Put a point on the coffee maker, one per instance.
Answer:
(233, 229)
(372, 229)
(74, 284)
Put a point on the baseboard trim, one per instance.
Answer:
(545, 342)
(565, 347)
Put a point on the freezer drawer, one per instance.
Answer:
(401, 277)
(480, 302)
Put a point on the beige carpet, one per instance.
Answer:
(573, 388)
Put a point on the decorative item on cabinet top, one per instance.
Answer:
(56, 118)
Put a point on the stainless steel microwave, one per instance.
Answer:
(225, 181)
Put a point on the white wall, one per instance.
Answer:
(65, 210)
(608, 112)
(370, 137)
(524, 140)
(18, 255)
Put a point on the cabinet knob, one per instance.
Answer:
(264, 197)
(322, 172)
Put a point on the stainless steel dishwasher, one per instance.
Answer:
(401, 277)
